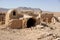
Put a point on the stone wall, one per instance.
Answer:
(2, 18)
(12, 14)
(47, 17)
(15, 23)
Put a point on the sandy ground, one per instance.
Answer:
(37, 33)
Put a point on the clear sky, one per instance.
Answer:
(48, 5)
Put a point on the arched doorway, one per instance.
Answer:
(31, 22)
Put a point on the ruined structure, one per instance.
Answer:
(25, 19)
(2, 18)
(47, 17)
(12, 14)
(14, 19)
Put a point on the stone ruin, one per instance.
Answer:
(14, 19)
(2, 18)
(49, 18)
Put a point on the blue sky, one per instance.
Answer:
(48, 5)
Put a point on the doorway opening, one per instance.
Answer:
(31, 22)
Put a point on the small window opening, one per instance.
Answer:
(14, 13)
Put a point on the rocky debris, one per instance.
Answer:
(33, 33)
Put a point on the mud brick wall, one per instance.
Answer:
(2, 18)
(46, 17)
(15, 23)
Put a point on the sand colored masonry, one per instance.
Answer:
(14, 19)
(26, 19)
(12, 14)
(47, 17)
(2, 18)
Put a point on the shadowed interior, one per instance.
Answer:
(14, 13)
(31, 23)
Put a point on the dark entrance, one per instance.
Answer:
(31, 22)
(14, 13)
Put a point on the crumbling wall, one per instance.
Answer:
(12, 14)
(2, 18)
(46, 17)
(15, 23)
(38, 21)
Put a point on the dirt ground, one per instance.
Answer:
(37, 33)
